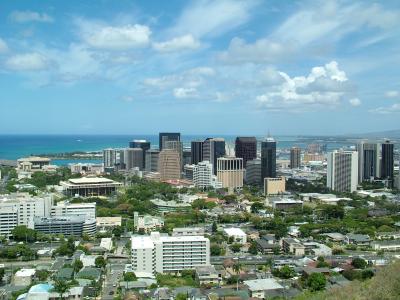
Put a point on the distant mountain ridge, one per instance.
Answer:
(390, 134)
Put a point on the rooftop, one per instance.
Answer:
(25, 273)
(263, 284)
(234, 231)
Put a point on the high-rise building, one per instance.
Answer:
(368, 161)
(167, 136)
(230, 172)
(188, 171)
(246, 148)
(168, 254)
(342, 173)
(253, 172)
(203, 174)
(213, 148)
(186, 157)
(387, 163)
(132, 158)
(144, 145)
(169, 164)
(196, 148)
(295, 158)
(110, 157)
(268, 159)
(152, 160)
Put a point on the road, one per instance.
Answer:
(114, 273)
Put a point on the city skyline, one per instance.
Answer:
(123, 67)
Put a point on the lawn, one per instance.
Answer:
(175, 281)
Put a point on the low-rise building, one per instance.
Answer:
(274, 186)
(292, 246)
(67, 225)
(32, 163)
(357, 239)
(108, 222)
(283, 203)
(267, 244)
(184, 231)
(147, 222)
(90, 186)
(170, 206)
(390, 245)
(317, 249)
(207, 275)
(237, 234)
(106, 243)
(24, 277)
(64, 208)
(259, 287)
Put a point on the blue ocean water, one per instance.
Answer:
(15, 146)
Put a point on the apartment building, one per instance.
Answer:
(64, 208)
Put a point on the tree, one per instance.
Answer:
(237, 267)
(1, 274)
(23, 233)
(236, 247)
(181, 296)
(117, 231)
(100, 262)
(286, 272)
(77, 265)
(130, 276)
(216, 250)
(316, 282)
(256, 206)
(359, 263)
(61, 287)
(367, 274)
(42, 275)
(322, 263)
(214, 227)
(253, 248)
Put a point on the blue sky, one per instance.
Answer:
(199, 67)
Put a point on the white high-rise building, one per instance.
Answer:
(165, 254)
(203, 174)
(110, 157)
(74, 209)
(342, 173)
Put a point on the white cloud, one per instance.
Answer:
(127, 99)
(222, 97)
(355, 102)
(395, 108)
(30, 16)
(3, 46)
(392, 94)
(182, 93)
(27, 62)
(213, 18)
(325, 86)
(184, 42)
(107, 37)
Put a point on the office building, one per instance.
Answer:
(32, 163)
(268, 158)
(67, 225)
(188, 172)
(186, 157)
(196, 148)
(230, 172)
(167, 136)
(274, 186)
(313, 157)
(203, 175)
(253, 172)
(169, 164)
(295, 158)
(144, 145)
(368, 161)
(168, 254)
(90, 186)
(170, 206)
(64, 208)
(86, 168)
(387, 163)
(110, 157)
(152, 160)
(246, 148)
(132, 158)
(342, 172)
(213, 148)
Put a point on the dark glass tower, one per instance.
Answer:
(213, 148)
(197, 151)
(387, 165)
(246, 148)
(144, 145)
(268, 159)
(168, 136)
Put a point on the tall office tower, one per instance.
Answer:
(368, 161)
(110, 157)
(168, 254)
(169, 164)
(133, 158)
(253, 172)
(268, 159)
(196, 148)
(203, 174)
(144, 145)
(167, 136)
(230, 172)
(177, 146)
(342, 173)
(152, 160)
(186, 157)
(213, 148)
(387, 163)
(246, 148)
(295, 158)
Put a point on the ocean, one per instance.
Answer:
(13, 147)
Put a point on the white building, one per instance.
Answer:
(106, 243)
(147, 222)
(238, 234)
(184, 231)
(86, 168)
(110, 157)
(259, 287)
(165, 254)
(342, 173)
(24, 277)
(74, 209)
(203, 176)
(230, 172)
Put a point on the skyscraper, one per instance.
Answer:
(387, 165)
(197, 151)
(213, 148)
(246, 148)
(168, 136)
(132, 158)
(295, 157)
(169, 164)
(368, 161)
(152, 160)
(253, 172)
(342, 173)
(110, 157)
(144, 145)
(230, 172)
(268, 159)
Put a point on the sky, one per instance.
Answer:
(199, 67)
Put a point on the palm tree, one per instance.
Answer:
(237, 267)
(61, 287)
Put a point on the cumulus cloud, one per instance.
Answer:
(183, 92)
(3, 46)
(27, 62)
(324, 86)
(184, 42)
(395, 108)
(107, 37)
(355, 102)
(392, 94)
(30, 16)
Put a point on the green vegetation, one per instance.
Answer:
(130, 276)
(100, 262)
(316, 282)
(285, 272)
(187, 278)
(18, 251)
(67, 248)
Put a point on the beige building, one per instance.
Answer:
(32, 163)
(313, 157)
(230, 172)
(169, 164)
(274, 186)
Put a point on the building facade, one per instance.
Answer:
(145, 146)
(230, 172)
(368, 161)
(169, 164)
(295, 158)
(151, 163)
(342, 172)
(213, 148)
(274, 186)
(246, 148)
(387, 164)
(196, 148)
(167, 136)
(67, 225)
(268, 158)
